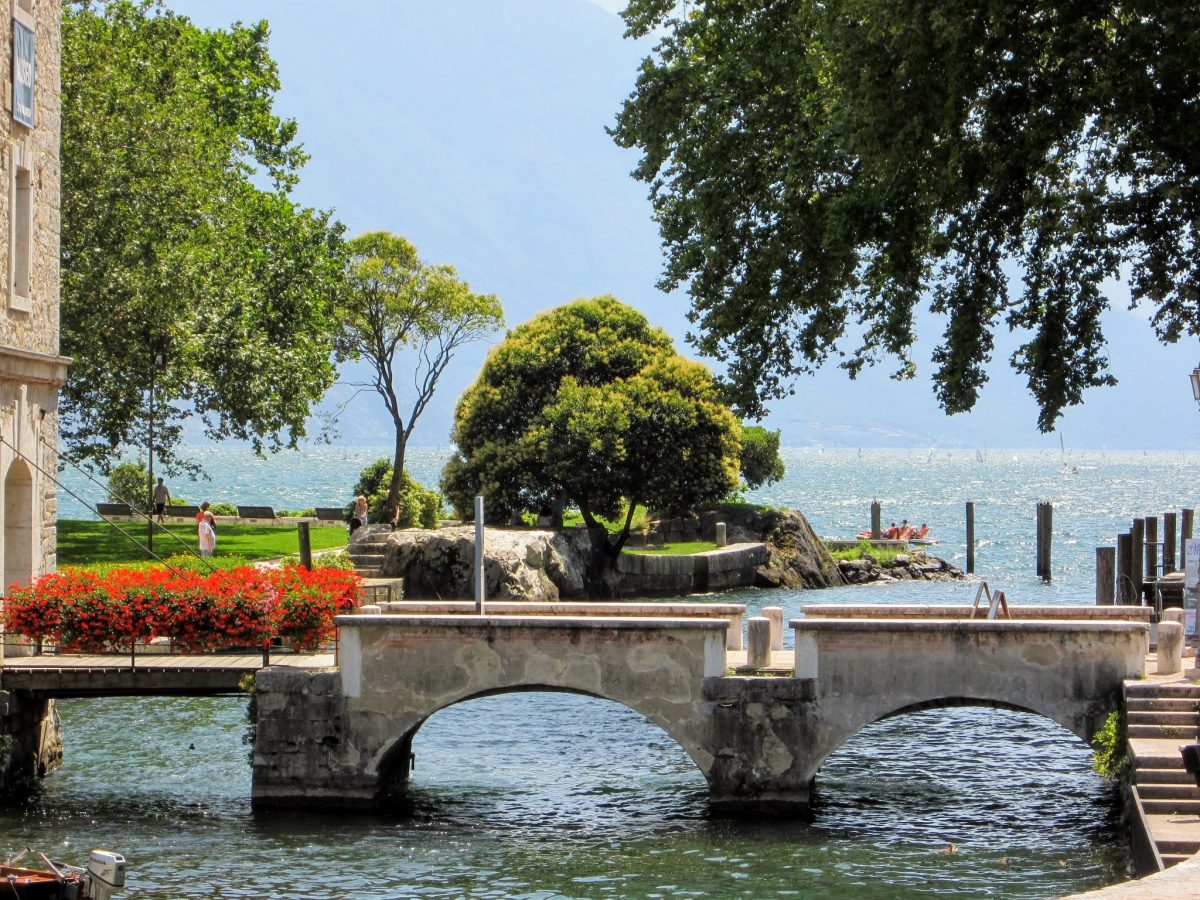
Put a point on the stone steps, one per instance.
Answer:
(1163, 704)
(1179, 732)
(1174, 791)
(1164, 717)
(1172, 808)
(1151, 690)
(1148, 776)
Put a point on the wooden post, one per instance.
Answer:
(970, 537)
(1137, 554)
(1169, 538)
(1124, 585)
(1106, 559)
(1185, 533)
(1045, 527)
(1151, 548)
(1037, 543)
(305, 545)
(876, 527)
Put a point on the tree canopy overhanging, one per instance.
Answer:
(820, 169)
(178, 233)
(588, 404)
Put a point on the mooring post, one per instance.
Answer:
(479, 555)
(1045, 527)
(1168, 542)
(1037, 543)
(774, 614)
(305, 545)
(758, 642)
(1106, 558)
(970, 537)
(1151, 548)
(1137, 555)
(1124, 581)
(1185, 533)
(876, 527)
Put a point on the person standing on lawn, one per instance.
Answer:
(208, 534)
(162, 496)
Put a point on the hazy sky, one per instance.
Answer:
(476, 129)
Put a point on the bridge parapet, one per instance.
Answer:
(959, 611)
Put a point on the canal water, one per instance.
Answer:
(553, 795)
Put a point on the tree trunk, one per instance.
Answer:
(393, 497)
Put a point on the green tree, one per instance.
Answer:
(397, 308)
(760, 460)
(816, 163)
(178, 233)
(589, 404)
(418, 507)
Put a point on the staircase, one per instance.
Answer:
(1161, 716)
(366, 550)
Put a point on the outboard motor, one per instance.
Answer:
(105, 871)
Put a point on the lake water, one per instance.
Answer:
(547, 795)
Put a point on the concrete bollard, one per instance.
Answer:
(775, 614)
(1170, 648)
(758, 643)
(371, 609)
(722, 539)
(1173, 614)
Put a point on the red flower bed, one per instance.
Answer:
(242, 607)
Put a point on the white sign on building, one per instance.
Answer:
(23, 69)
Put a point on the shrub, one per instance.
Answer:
(418, 506)
(130, 483)
(223, 509)
(1109, 756)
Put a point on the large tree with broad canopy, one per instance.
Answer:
(589, 404)
(819, 167)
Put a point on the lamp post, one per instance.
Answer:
(1196, 383)
(158, 363)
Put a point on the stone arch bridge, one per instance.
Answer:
(343, 736)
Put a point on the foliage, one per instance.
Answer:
(88, 543)
(178, 234)
(396, 304)
(339, 560)
(866, 550)
(129, 482)
(1110, 756)
(760, 461)
(223, 509)
(589, 406)
(813, 164)
(243, 607)
(416, 506)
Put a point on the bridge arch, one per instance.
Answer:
(392, 764)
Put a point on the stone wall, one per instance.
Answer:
(30, 743)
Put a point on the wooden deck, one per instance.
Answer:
(151, 674)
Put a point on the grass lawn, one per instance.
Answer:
(82, 543)
(682, 549)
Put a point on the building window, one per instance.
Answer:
(20, 246)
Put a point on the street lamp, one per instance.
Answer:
(158, 363)
(1196, 383)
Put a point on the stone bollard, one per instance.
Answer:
(722, 539)
(1170, 648)
(1175, 614)
(758, 643)
(371, 609)
(775, 614)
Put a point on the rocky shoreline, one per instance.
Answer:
(918, 566)
(552, 564)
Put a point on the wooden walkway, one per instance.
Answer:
(151, 674)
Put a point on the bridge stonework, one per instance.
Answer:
(344, 736)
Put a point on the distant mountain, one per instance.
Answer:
(476, 129)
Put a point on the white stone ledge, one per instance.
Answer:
(939, 625)
(595, 623)
(884, 611)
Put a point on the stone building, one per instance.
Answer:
(31, 369)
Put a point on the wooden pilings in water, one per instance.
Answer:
(1138, 563)
(876, 524)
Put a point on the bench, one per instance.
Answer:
(114, 509)
(330, 514)
(181, 512)
(255, 512)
